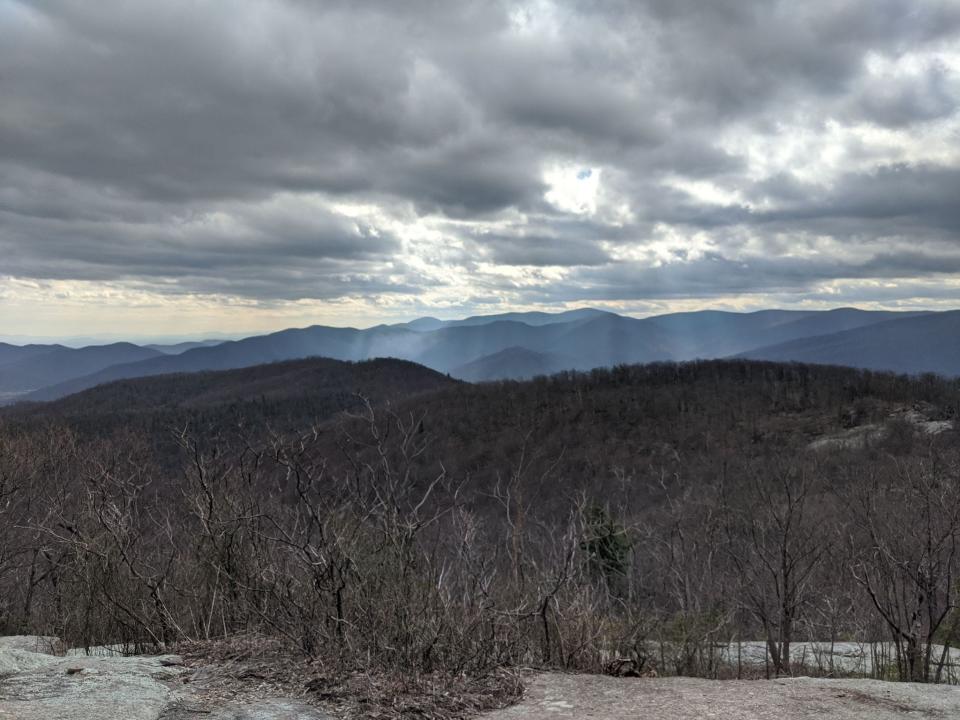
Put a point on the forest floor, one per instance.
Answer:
(553, 696)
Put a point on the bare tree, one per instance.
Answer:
(776, 545)
(905, 538)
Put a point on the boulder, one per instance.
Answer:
(37, 686)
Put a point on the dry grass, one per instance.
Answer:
(255, 666)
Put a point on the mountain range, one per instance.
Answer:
(519, 345)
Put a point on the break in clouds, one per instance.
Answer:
(473, 155)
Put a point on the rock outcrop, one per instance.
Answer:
(37, 684)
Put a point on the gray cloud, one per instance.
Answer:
(540, 250)
(930, 94)
(714, 276)
(886, 201)
(211, 148)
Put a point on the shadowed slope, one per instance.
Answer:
(930, 343)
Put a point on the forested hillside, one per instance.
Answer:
(655, 512)
(294, 392)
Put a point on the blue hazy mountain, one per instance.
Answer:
(521, 344)
(928, 343)
(514, 363)
(37, 366)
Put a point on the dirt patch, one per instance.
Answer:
(558, 697)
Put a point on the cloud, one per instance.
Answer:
(378, 153)
(898, 96)
(888, 201)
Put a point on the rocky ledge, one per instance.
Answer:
(40, 680)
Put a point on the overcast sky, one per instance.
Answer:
(186, 166)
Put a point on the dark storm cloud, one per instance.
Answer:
(205, 146)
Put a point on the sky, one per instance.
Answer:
(190, 167)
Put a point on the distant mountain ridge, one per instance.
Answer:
(178, 348)
(534, 319)
(515, 345)
(929, 343)
(514, 363)
(10, 354)
(44, 365)
(718, 334)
